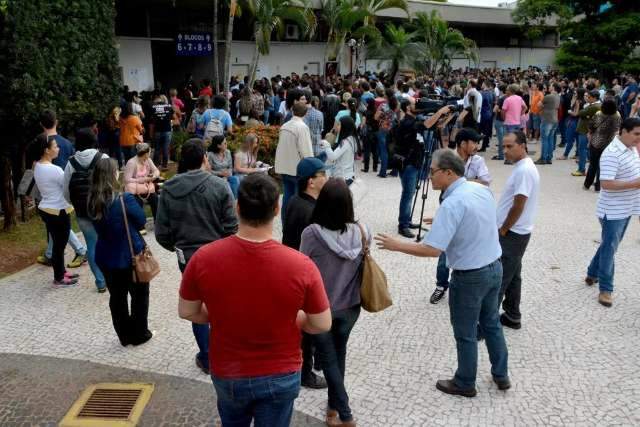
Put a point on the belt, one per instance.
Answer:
(477, 269)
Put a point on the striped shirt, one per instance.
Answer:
(619, 163)
(315, 120)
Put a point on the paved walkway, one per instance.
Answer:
(574, 362)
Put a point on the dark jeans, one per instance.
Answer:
(593, 172)
(473, 300)
(268, 400)
(408, 178)
(152, 200)
(128, 152)
(58, 227)
(442, 272)
(570, 135)
(290, 185)
(583, 152)
(602, 264)
(131, 327)
(307, 355)
(370, 150)
(162, 140)
(201, 334)
(383, 153)
(513, 247)
(486, 128)
(332, 350)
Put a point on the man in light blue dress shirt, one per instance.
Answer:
(465, 229)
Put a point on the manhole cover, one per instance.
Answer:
(109, 405)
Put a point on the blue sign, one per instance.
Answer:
(194, 44)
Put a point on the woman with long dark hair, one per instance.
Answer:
(343, 155)
(334, 242)
(221, 163)
(603, 128)
(53, 208)
(107, 207)
(369, 140)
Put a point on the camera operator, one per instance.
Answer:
(407, 158)
(465, 228)
(475, 170)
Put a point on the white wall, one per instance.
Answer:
(134, 56)
(517, 57)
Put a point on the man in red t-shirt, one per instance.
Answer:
(206, 89)
(257, 294)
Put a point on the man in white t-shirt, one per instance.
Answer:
(619, 199)
(516, 212)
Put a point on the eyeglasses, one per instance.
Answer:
(433, 171)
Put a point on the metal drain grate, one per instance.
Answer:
(109, 404)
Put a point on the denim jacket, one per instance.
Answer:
(112, 248)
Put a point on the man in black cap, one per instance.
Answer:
(475, 169)
(311, 177)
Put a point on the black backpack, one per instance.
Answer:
(80, 183)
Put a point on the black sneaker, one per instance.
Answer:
(405, 232)
(437, 295)
(313, 381)
(414, 226)
(509, 323)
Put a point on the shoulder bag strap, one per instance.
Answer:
(126, 226)
(363, 234)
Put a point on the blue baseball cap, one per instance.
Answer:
(309, 166)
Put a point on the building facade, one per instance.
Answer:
(153, 39)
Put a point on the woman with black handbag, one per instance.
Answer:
(113, 213)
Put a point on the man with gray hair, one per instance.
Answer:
(464, 228)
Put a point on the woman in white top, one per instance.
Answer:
(342, 158)
(246, 158)
(54, 208)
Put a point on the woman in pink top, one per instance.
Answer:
(139, 174)
(512, 110)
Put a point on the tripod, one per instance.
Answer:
(422, 182)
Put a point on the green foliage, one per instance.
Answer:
(595, 42)
(398, 46)
(62, 56)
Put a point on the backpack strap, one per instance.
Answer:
(95, 159)
(76, 165)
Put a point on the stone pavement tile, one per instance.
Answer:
(573, 362)
(39, 390)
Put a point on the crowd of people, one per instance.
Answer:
(261, 340)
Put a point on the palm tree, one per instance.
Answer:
(439, 43)
(341, 17)
(234, 9)
(216, 75)
(374, 7)
(269, 16)
(397, 46)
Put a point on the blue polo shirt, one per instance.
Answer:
(465, 226)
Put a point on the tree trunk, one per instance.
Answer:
(216, 75)
(254, 65)
(227, 46)
(6, 193)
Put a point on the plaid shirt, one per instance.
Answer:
(315, 120)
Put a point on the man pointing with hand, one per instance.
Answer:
(465, 229)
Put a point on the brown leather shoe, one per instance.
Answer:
(590, 281)
(449, 387)
(332, 417)
(605, 299)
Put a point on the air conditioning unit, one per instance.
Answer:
(291, 32)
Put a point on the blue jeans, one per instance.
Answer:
(602, 265)
(408, 179)
(583, 152)
(268, 400)
(332, 352)
(128, 153)
(473, 299)
(562, 126)
(535, 121)
(234, 183)
(570, 135)
(548, 138)
(512, 128)
(162, 140)
(442, 272)
(91, 237)
(499, 125)
(201, 334)
(290, 184)
(383, 154)
(75, 243)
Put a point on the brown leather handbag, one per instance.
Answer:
(374, 290)
(145, 266)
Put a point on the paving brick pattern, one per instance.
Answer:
(574, 362)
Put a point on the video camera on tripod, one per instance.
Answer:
(429, 105)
